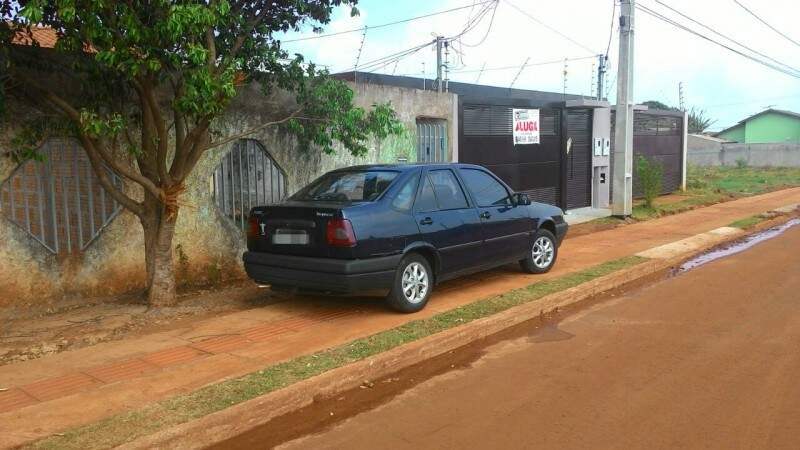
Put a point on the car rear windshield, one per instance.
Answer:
(347, 186)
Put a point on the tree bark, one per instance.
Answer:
(159, 231)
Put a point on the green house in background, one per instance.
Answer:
(768, 126)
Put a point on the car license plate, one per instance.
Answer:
(284, 236)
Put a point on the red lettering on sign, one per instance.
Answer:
(529, 125)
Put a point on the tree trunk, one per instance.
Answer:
(159, 230)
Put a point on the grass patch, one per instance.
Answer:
(748, 222)
(128, 426)
(710, 185)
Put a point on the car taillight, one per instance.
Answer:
(253, 227)
(340, 233)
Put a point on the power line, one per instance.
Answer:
(611, 28)
(745, 102)
(672, 22)
(528, 15)
(354, 30)
(725, 36)
(384, 61)
(541, 63)
(765, 23)
(488, 30)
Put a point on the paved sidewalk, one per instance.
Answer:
(50, 394)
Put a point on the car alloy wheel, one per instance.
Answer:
(415, 282)
(543, 252)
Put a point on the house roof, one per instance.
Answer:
(766, 111)
(46, 37)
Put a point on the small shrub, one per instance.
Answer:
(741, 163)
(649, 173)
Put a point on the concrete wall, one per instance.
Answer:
(754, 155)
(208, 245)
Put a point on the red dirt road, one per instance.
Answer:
(707, 359)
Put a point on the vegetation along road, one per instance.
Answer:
(704, 359)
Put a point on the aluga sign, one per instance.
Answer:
(526, 126)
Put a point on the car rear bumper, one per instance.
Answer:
(327, 275)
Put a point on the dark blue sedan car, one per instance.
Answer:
(397, 230)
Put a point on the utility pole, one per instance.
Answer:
(622, 203)
(602, 60)
(439, 42)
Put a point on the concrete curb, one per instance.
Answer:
(237, 419)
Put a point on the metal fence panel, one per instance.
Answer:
(58, 201)
(247, 177)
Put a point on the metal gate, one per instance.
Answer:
(657, 135)
(485, 138)
(59, 201)
(579, 158)
(431, 140)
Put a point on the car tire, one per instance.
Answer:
(413, 284)
(543, 253)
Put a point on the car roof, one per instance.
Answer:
(405, 167)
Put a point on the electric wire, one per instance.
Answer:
(528, 15)
(681, 26)
(361, 29)
(766, 23)
(726, 37)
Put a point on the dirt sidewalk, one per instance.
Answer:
(53, 393)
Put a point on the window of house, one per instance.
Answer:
(431, 140)
(246, 177)
(59, 201)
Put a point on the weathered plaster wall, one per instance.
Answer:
(208, 245)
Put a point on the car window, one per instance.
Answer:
(346, 186)
(426, 200)
(405, 197)
(449, 194)
(485, 189)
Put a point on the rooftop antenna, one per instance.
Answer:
(423, 75)
(395, 66)
(519, 72)
(566, 71)
(680, 96)
(591, 82)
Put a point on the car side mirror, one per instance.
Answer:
(521, 199)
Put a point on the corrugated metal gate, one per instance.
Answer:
(657, 135)
(485, 138)
(431, 140)
(579, 158)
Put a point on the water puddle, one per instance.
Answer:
(737, 247)
(550, 333)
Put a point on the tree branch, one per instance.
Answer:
(294, 115)
(147, 97)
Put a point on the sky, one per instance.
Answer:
(727, 86)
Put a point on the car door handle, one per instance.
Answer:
(426, 221)
(486, 215)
